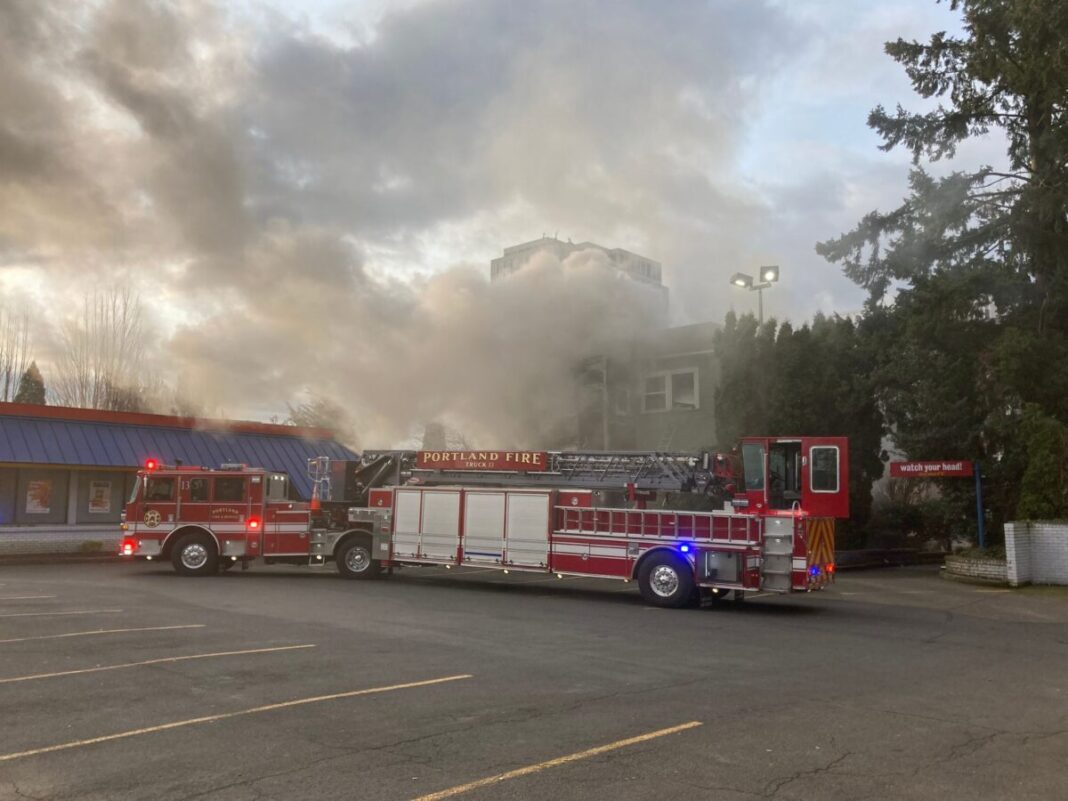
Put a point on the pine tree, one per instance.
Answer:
(968, 278)
(31, 387)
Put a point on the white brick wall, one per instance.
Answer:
(1037, 552)
(985, 569)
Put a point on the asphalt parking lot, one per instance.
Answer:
(124, 681)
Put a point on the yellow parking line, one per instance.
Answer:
(225, 715)
(24, 597)
(102, 631)
(154, 662)
(552, 763)
(61, 614)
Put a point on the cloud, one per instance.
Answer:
(314, 211)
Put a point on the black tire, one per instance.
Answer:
(195, 555)
(354, 560)
(666, 580)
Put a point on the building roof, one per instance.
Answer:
(56, 435)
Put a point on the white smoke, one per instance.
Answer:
(253, 180)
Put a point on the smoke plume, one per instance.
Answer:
(303, 214)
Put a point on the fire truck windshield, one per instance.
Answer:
(753, 464)
(134, 490)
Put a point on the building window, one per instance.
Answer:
(677, 390)
(655, 397)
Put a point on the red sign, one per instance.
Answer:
(514, 461)
(941, 469)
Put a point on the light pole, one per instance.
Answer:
(768, 275)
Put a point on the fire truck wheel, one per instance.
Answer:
(354, 560)
(194, 555)
(666, 580)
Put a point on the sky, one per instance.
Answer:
(301, 190)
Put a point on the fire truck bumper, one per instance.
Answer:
(135, 546)
(234, 547)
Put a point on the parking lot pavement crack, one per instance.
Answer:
(771, 789)
(252, 781)
(1030, 737)
(964, 749)
(19, 793)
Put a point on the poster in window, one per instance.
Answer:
(38, 497)
(100, 497)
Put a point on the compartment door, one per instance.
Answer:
(408, 512)
(825, 476)
(527, 533)
(440, 530)
(483, 527)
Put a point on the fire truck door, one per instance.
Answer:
(439, 535)
(483, 527)
(825, 476)
(784, 473)
(285, 530)
(527, 534)
(160, 507)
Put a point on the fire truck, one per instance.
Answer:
(682, 526)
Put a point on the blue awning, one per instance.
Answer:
(80, 443)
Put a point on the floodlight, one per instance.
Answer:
(742, 280)
(769, 274)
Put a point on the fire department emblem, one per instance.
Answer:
(152, 518)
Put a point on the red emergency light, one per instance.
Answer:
(253, 524)
(151, 464)
(129, 545)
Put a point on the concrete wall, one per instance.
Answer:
(25, 540)
(1037, 552)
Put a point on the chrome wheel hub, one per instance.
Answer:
(194, 556)
(358, 559)
(664, 580)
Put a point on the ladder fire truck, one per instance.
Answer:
(682, 526)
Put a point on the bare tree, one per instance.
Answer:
(102, 360)
(14, 347)
(322, 412)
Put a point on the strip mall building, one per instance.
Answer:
(66, 473)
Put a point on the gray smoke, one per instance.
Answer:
(290, 207)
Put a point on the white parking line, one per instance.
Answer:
(552, 763)
(212, 718)
(154, 662)
(24, 597)
(101, 631)
(61, 614)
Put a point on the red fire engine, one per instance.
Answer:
(680, 525)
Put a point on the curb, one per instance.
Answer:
(51, 558)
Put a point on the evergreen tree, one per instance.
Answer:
(31, 387)
(812, 381)
(968, 278)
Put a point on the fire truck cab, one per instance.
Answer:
(205, 519)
